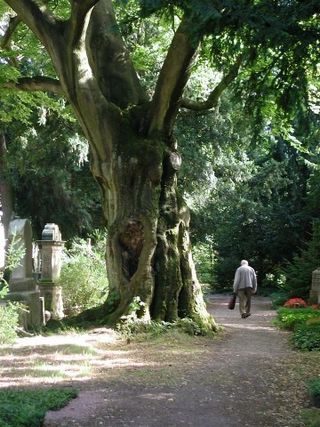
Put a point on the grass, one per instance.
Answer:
(27, 408)
(44, 370)
(77, 349)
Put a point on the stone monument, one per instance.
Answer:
(315, 285)
(51, 247)
(22, 286)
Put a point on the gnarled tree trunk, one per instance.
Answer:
(134, 156)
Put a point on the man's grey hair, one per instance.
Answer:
(244, 262)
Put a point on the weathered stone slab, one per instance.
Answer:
(22, 286)
(20, 236)
(315, 285)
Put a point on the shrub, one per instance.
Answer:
(307, 337)
(278, 298)
(204, 262)
(314, 392)
(295, 303)
(8, 322)
(288, 318)
(298, 272)
(83, 275)
(314, 387)
(9, 312)
(27, 408)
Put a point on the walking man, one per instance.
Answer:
(245, 284)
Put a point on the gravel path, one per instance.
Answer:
(244, 378)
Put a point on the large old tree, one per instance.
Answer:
(135, 156)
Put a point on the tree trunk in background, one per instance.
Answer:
(5, 188)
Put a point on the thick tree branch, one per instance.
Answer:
(37, 18)
(109, 58)
(5, 41)
(172, 79)
(39, 83)
(79, 12)
(6, 38)
(214, 96)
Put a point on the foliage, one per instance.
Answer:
(314, 387)
(278, 298)
(278, 42)
(247, 202)
(288, 318)
(47, 167)
(299, 272)
(9, 312)
(27, 408)
(307, 336)
(83, 274)
(305, 323)
(8, 322)
(204, 262)
(311, 417)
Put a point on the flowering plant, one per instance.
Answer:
(295, 303)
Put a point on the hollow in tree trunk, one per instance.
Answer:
(134, 156)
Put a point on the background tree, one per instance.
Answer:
(256, 196)
(47, 167)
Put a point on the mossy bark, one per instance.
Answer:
(148, 248)
(134, 158)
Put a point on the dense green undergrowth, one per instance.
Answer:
(289, 318)
(27, 408)
(305, 326)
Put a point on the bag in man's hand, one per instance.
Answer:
(232, 301)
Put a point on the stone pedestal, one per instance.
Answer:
(52, 295)
(51, 253)
(315, 286)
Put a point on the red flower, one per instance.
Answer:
(295, 303)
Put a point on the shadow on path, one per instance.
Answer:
(236, 381)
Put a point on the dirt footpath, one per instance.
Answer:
(248, 377)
